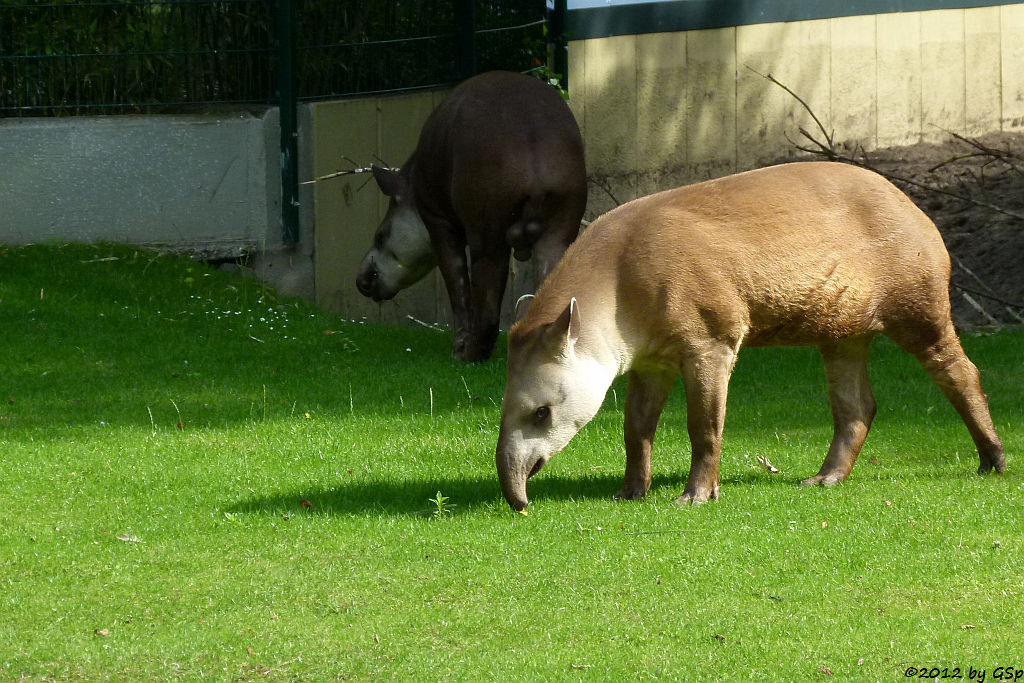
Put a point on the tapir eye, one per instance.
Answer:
(541, 414)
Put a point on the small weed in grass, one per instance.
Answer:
(200, 479)
(441, 506)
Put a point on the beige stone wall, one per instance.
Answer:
(659, 110)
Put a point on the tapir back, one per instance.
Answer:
(498, 142)
(787, 255)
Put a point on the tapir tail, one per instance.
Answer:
(527, 228)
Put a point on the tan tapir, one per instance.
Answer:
(818, 254)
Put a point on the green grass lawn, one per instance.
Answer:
(199, 479)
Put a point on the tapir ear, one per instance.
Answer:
(522, 305)
(391, 183)
(574, 323)
(565, 331)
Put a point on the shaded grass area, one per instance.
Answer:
(199, 479)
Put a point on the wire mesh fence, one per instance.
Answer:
(101, 56)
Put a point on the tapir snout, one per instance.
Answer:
(515, 469)
(369, 283)
(401, 254)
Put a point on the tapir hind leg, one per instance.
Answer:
(853, 406)
(646, 395)
(488, 276)
(562, 226)
(706, 377)
(960, 382)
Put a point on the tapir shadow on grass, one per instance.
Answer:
(469, 494)
(464, 494)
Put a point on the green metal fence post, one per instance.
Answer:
(557, 40)
(465, 52)
(287, 103)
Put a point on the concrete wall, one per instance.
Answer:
(204, 183)
(663, 109)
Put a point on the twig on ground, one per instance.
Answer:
(1005, 156)
(429, 326)
(978, 307)
(998, 299)
(988, 292)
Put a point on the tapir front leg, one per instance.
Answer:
(706, 377)
(646, 395)
(853, 406)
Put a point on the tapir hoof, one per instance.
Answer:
(471, 351)
(469, 348)
(698, 497)
(823, 480)
(631, 493)
(476, 344)
(992, 461)
(997, 467)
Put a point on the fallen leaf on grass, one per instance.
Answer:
(306, 505)
(966, 627)
(719, 637)
(102, 632)
(523, 512)
(763, 462)
(825, 670)
(128, 538)
(874, 461)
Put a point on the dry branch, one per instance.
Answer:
(356, 168)
(828, 150)
(607, 190)
(1005, 156)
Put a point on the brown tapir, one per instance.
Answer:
(819, 254)
(498, 167)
